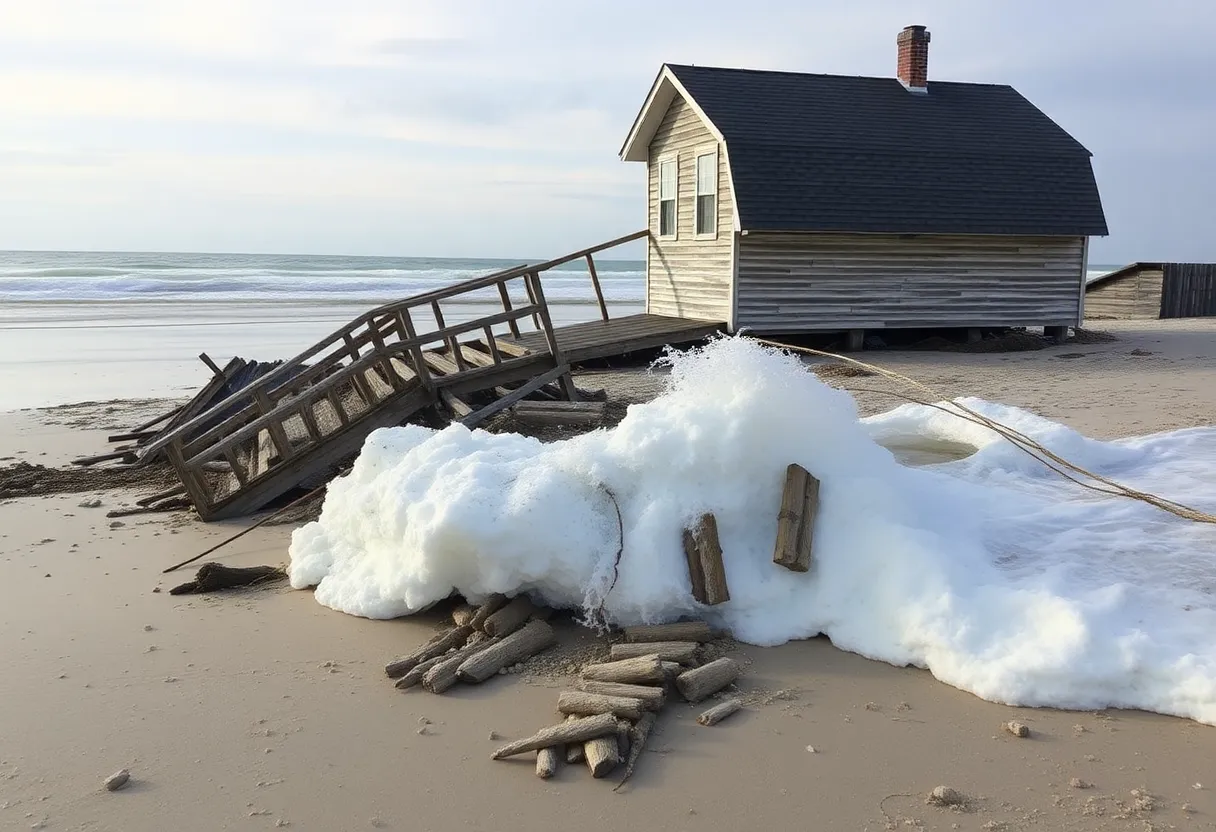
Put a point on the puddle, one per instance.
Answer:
(920, 451)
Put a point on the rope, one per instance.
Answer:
(1049, 459)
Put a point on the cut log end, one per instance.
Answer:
(548, 760)
(697, 631)
(701, 682)
(719, 712)
(602, 754)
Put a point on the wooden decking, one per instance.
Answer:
(619, 336)
(299, 423)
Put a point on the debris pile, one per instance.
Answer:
(607, 717)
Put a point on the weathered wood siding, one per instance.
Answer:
(687, 277)
(1189, 290)
(807, 282)
(1136, 294)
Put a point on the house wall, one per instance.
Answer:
(688, 277)
(806, 282)
(1136, 294)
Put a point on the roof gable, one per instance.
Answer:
(842, 153)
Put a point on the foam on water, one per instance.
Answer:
(990, 571)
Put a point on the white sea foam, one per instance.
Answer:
(992, 572)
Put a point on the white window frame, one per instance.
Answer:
(674, 159)
(709, 150)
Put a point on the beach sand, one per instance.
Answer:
(260, 709)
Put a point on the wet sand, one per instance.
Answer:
(260, 709)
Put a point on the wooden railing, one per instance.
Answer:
(372, 342)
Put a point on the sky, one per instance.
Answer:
(491, 128)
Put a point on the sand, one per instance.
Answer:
(260, 708)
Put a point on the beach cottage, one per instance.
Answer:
(1153, 290)
(786, 202)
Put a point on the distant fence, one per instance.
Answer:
(1188, 290)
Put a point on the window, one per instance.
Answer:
(667, 198)
(707, 194)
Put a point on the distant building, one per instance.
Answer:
(1153, 290)
(787, 202)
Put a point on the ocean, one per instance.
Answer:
(78, 326)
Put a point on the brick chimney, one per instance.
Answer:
(913, 69)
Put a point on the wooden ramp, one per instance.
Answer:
(296, 425)
(619, 336)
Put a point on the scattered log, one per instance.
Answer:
(510, 618)
(490, 606)
(684, 652)
(548, 760)
(719, 712)
(680, 631)
(521, 644)
(706, 571)
(437, 646)
(645, 670)
(415, 675)
(603, 754)
(214, 576)
(575, 730)
(796, 519)
(637, 742)
(574, 750)
(443, 675)
(127, 456)
(700, 682)
(560, 414)
(463, 614)
(582, 703)
(652, 698)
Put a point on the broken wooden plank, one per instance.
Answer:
(456, 406)
(575, 730)
(215, 576)
(211, 365)
(679, 631)
(706, 571)
(132, 436)
(161, 495)
(796, 519)
(479, 416)
(127, 456)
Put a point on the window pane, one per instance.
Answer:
(707, 178)
(667, 217)
(667, 180)
(706, 209)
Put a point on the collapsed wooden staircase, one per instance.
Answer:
(295, 425)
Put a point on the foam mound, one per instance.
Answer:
(991, 571)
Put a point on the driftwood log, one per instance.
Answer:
(488, 607)
(582, 703)
(706, 571)
(574, 750)
(443, 674)
(414, 676)
(796, 519)
(719, 712)
(684, 652)
(214, 576)
(535, 637)
(603, 754)
(644, 670)
(548, 761)
(437, 646)
(638, 735)
(700, 682)
(575, 730)
(652, 698)
(510, 618)
(680, 631)
(463, 614)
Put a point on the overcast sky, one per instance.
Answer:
(478, 128)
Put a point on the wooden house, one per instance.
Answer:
(785, 202)
(1153, 290)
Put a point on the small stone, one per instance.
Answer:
(117, 524)
(872, 706)
(148, 628)
(502, 671)
(93, 503)
(47, 575)
(423, 721)
(151, 648)
(170, 678)
(1078, 729)
(945, 796)
(1017, 729)
(1197, 786)
(156, 589)
(1078, 783)
(280, 823)
(421, 729)
(1188, 809)
(494, 737)
(328, 664)
(117, 780)
(810, 749)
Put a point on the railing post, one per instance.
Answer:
(537, 293)
(595, 281)
(506, 306)
(406, 322)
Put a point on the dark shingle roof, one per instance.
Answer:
(839, 153)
